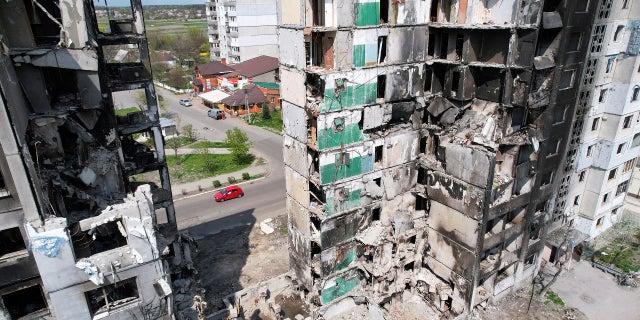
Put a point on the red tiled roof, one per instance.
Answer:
(213, 68)
(254, 96)
(256, 66)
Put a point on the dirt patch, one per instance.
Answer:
(239, 258)
(516, 306)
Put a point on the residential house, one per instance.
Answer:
(206, 76)
(249, 97)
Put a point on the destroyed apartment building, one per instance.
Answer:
(423, 144)
(79, 239)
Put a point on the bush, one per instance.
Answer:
(231, 179)
(266, 113)
(216, 183)
(246, 176)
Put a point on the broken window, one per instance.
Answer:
(620, 148)
(636, 92)
(25, 302)
(612, 173)
(625, 4)
(567, 78)
(581, 5)
(628, 165)
(582, 175)
(11, 241)
(622, 187)
(610, 64)
(378, 155)
(459, 45)
(422, 203)
(3, 187)
(603, 95)
(375, 214)
(626, 123)
(428, 74)
(321, 49)
(558, 114)
(616, 35)
(599, 222)
(589, 151)
(455, 83)
(575, 39)
(101, 238)
(546, 178)
(121, 53)
(493, 46)
(431, 47)
(318, 11)
(109, 297)
(636, 140)
(489, 84)
(594, 124)
(384, 11)
(382, 84)
(433, 14)
(382, 49)
(576, 200)
(605, 198)
(44, 17)
(554, 147)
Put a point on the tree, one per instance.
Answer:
(174, 144)
(266, 113)
(190, 133)
(176, 78)
(239, 144)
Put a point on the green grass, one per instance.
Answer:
(208, 144)
(192, 167)
(622, 251)
(552, 297)
(156, 25)
(181, 141)
(125, 111)
(274, 123)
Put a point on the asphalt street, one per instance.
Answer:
(264, 198)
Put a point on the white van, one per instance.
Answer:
(215, 113)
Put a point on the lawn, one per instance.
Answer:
(180, 141)
(619, 247)
(207, 144)
(194, 167)
(275, 123)
(165, 26)
(125, 111)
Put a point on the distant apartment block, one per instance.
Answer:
(606, 132)
(242, 29)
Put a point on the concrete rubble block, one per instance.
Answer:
(467, 164)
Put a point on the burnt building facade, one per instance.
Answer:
(80, 239)
(424, 143)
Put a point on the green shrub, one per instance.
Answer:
(231, 179)
(246, 176)
(216, 183)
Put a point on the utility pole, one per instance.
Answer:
(246, 105)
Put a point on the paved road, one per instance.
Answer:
(263, 199)
(596, 294)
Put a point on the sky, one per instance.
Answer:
(119, 3)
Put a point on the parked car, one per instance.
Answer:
(229, 193)
(216, 113)
(186, 102)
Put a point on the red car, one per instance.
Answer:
(229, 193)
